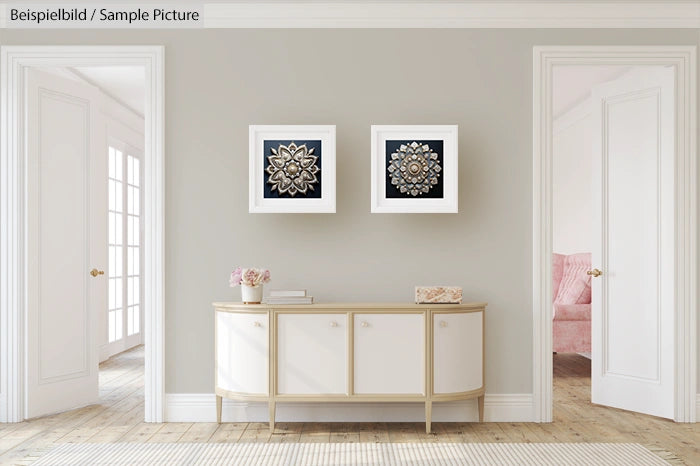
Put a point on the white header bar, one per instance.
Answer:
(357, 14)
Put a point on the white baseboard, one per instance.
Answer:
(697, 408)
(201, 407)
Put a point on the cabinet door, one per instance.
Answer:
(311, 354)
(457, 352)
(242, 352)
(389, 354)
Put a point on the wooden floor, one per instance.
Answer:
(119, 418)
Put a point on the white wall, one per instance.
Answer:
(572, 181)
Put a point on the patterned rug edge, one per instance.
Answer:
(346, 453)
(668, 456)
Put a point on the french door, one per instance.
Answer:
(125, 297)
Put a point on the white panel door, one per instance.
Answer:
(633, 211)
(66, 231)
(242, 352)
(312, 353)
(457, 352)
(389, 354)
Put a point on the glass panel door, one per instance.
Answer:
(125, 273)
(116, 245)
(133, 261)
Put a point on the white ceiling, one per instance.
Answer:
(124, 83)
(572, 84)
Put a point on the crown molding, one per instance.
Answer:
(461, 14)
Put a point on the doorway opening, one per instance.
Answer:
(85, 143)
(85, 124)
(579, 93)
(653, 170)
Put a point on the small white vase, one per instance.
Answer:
(251, 294)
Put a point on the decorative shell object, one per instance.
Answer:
(438, 294)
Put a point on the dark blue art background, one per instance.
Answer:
(275, 143)
(392, 192)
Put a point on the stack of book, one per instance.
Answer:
(288, 297)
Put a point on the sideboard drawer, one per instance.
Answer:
(312, 354)
(242, 352)
(457, 352)
(389, 354)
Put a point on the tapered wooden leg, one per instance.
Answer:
(272, 416)
(218, 409)
(428, 415)
(481, 408)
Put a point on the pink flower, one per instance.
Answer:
(249, 276)
(236, 277)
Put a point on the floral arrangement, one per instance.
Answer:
(249, 276)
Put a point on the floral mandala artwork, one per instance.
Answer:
(414, 169)
(292, 169)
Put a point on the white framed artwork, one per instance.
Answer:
(414, 169)
(292, 169)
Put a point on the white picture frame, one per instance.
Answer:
(299, 202)
(447, 202)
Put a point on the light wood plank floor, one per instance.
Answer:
(119, 418)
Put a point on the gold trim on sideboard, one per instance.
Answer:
(343, 307)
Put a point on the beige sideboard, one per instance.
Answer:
(349, 352)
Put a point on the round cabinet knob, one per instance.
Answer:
(257, 324)
(443, 323)
(334, 324)
(364, 324)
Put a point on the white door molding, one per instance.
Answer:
(683, 58)
(13, 216)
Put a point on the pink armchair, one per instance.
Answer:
(571, 288)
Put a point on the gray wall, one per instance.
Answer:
(220, 81)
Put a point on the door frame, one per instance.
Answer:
(14, 61)
(683, 58)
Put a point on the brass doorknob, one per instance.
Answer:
(595, 273)
(95, 272)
